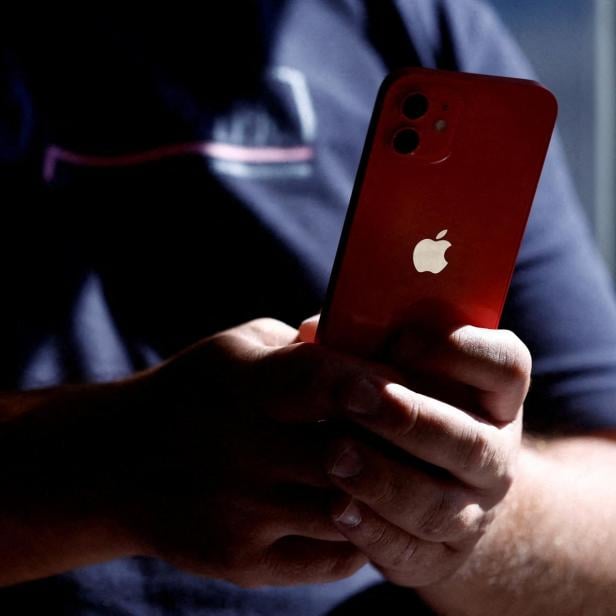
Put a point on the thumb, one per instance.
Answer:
(308, 329)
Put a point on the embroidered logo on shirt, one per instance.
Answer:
(270, 138)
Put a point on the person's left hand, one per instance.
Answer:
(422, 486)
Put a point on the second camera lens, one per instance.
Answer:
(406, 141)
(415, 106)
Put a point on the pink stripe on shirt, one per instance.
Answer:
(211, 149)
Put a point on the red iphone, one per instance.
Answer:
(440, 203)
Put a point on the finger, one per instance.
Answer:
(294, 511)
(286, 454)
(292, 560)
(302, 382)
(404, 559)
(473, 450)
(428, 507)
(251, 341)
(268, 332)
(496, 362)
(308, 329)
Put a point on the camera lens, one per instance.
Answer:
(406, 141)
(415, 106)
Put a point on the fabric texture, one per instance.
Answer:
(161, 183)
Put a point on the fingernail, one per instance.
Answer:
(347, 465)
(350, 516)
(363, 398)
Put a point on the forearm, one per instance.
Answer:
(59, 473)
(551, 546)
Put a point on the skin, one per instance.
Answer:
(542, 538)
(550, 549)
(258, 457)
(218, 463)
(210, 461)
(417, 509)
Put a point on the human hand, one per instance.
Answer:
(229, 448)
(417, 502)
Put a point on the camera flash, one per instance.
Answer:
(440, 126)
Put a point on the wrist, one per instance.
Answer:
(503, 558)
(124, 462)
(65, 492)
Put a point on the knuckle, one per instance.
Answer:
(376, 537)
(263, 324)
(378, 487)
(514, 359)
(454, 516)
(380, 494)
(506, 459)
(255, 332)
(507, 478)
(480, 453)
(344, 565)
(504, 477)
(404, 555)
(474, 451)
(262, 526)
(407, 423)
(461, 338)
(503, 349)
(483, 519)
(467, 521)
(437, 517)
(295, 370)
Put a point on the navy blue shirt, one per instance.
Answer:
(166, 179)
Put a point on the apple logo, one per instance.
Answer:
(429, 255)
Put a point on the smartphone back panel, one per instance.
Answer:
(441, 199)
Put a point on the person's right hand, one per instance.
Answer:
(228, 451)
